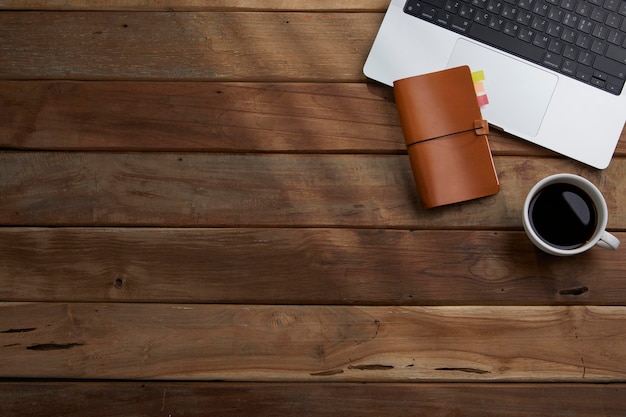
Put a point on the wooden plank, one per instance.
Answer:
(312, 343)
(312, 399)
(226, 190)
(211, 116)
(300, 266)
(242, 117)
(186, 46)
(195, 5)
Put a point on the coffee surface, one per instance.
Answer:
(563, 215)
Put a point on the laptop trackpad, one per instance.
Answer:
(518, 93)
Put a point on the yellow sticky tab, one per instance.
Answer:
(478, 76)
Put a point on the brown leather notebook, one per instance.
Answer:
(446, 137)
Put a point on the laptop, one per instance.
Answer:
(554, 70)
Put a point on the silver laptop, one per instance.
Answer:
(547, 78)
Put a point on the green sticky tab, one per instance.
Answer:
(478, 76)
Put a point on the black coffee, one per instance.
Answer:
(563, 215)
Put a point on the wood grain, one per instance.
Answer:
(233, 399)
(195, 5)
(212, 116)
(227, 190)
(300, 266)
(312, 343)
(221, 46)
(284, 244)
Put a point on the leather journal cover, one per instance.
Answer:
(446, 137)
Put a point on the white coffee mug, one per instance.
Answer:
(565, 214)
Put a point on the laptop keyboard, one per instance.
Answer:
(583, 39)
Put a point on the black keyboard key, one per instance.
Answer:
(583, 41)
(571, 20)
(539, 24)
(586, 58)
(616, 53)
(598, 82)
(428, 12)
(507, 43)
(569, 67)
(496, 23)
(613, 21)
(453, 6)
(509, 12)
(494, 6)
(525, 4)
(552, 61)
(598, 46)
(460, 25)
(526, 35)
(612, 5)
(583, 8)
(437, 3)
(616, 37)
(585, 25)
(600, 76)
(413, 8)
(614, 87)
(541, 41)
(598, 14)
(467, 11)
(569, 35)
(610, 67)
(554, 29)
(584, 74)
(524, 18)
(541, 8)
(569, 5)
(601, 31)
(511, 28)
(443, 18)
(482, 18)
(571, 52)
(555, 46)
(555, 14)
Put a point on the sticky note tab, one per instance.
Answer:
(479, 87)
(482, 100)
(478, 76)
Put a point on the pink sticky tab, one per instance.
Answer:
(479, 87)
(482, 100)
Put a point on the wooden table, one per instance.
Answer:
(206, 209)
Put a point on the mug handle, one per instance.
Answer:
(608, 241)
